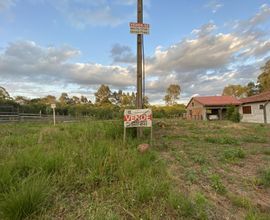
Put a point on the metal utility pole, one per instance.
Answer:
(139, 63)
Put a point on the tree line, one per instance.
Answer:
(108, 104)
(252, 88)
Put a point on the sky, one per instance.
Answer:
(74, 46)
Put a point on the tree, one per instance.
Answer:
(173, 92)
(84, 100)
(264, 78)
(145, 101)
(64, 99)
(103, 95)
(21, 100)
(237, 91)
(251, 89)
(49, 99)
(4, 94)
(116, 97)
(75, 100)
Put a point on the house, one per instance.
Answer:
(256, 108)
(210, 107)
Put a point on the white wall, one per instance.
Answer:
(256, 115)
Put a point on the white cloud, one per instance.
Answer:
(214, 5)
(82, 13)
(6, 4)
(202, 64)
(27, 62)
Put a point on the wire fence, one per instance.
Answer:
(8, 117)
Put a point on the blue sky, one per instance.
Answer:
(47, 47)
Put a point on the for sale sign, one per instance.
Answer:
(137, 118)
(139, 28)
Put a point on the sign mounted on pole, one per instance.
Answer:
(138, 118)
(139, 28)
(135, 118)
(53, 106)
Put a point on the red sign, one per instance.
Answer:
(138, 118)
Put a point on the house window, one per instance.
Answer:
(261, 106)
(192, 104)
(246, 109)
(190, 112)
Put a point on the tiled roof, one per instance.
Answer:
(265, 96)
(217, 100)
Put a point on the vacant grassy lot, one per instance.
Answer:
(195, 170)
(229, 164)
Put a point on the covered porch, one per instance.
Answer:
(216, 112)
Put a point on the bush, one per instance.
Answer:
(233, 114)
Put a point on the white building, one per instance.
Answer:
(256, 108)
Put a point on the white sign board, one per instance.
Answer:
(139, 28)
(53, 105)
(137, 118)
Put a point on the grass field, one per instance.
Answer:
(195, 170)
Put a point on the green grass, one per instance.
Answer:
(222, 140)
(217, 184)
(84, 171)
(26, 198)
(233, 154)
(264, 178)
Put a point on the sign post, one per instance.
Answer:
(138, 118)
(140, 29)
(53, 106)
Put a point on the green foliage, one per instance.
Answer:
(190, 209)
(199, 159)
(265, 178)
(237, 91)
(222, 140)
(217, 184)
(172, 94)
(233, 154)
(264, 77)
(168, 111)
(240, 201)
(191, 176)
(256, 215)
(233, 114)
(25, 199)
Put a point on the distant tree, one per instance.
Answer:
(49, 99)
(237, 91)
(21, 100)
(75, 100)
(116, 97)
(264, 78)
(84, 100)
(64, 99)
(145, 101)
(252, 89)
(103, 95)
(173, 93)
(4, 94)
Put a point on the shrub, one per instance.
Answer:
(233, 114)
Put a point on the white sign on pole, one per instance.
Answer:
(137, 118)
(53, 106)
(139, 28)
